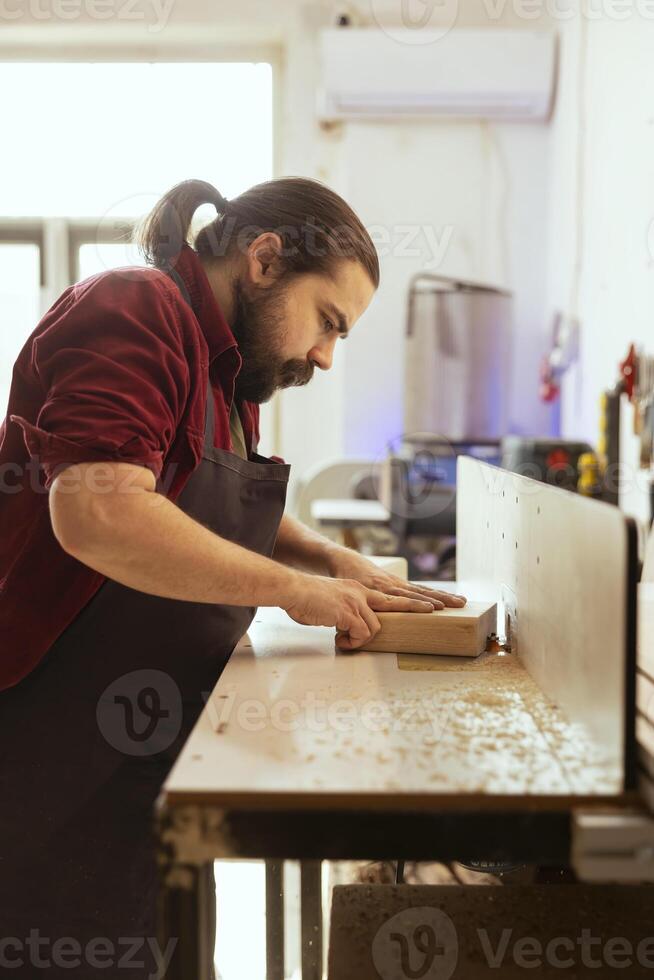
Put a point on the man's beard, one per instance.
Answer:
(259, 330)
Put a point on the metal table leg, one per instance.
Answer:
(274, 920)
(187, 914)
(311, 915)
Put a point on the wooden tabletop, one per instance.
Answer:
(295, 723)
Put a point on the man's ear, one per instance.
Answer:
(264, 258)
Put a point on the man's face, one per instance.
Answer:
(285, 329)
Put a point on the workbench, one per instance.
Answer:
(306, 753)
(293, 722)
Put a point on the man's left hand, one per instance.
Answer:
(345, 563)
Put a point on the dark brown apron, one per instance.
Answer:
(87, 739)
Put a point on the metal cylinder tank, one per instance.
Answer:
(457, 369)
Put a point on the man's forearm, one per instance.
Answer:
(147, 543)
(300, 547)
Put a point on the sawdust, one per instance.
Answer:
(490, 732)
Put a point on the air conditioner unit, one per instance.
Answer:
(483, 74)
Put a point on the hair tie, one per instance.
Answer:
(220, 203)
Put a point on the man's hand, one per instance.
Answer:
(345, 563)
(317, 600)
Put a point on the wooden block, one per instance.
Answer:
(460, 632)
(394, 565)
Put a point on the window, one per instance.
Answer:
(102, 143)
(108, 139)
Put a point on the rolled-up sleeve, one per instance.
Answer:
(114, 374)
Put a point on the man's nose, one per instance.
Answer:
(322, 357)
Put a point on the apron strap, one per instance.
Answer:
(210, 410)
(179, 282)
(209, 417)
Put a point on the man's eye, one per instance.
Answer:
(329, 326)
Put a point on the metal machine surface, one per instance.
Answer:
(457, 369)
(456, 402)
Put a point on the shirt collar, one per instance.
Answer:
(215, 328)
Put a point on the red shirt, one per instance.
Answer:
(116, 371)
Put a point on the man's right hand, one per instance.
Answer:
(319, 600)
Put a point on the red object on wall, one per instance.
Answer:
(549, 388)
(628, 371)
(558, 459)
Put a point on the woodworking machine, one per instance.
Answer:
(542, 755)
(564, 570)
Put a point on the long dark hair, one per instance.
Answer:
(316, 226)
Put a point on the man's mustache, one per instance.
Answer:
(296, 373)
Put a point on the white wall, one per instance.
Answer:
(473, 195)
(605, 114)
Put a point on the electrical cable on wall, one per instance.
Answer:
(489, 132)
(580, 202)
(564, 349)
(574, 319)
